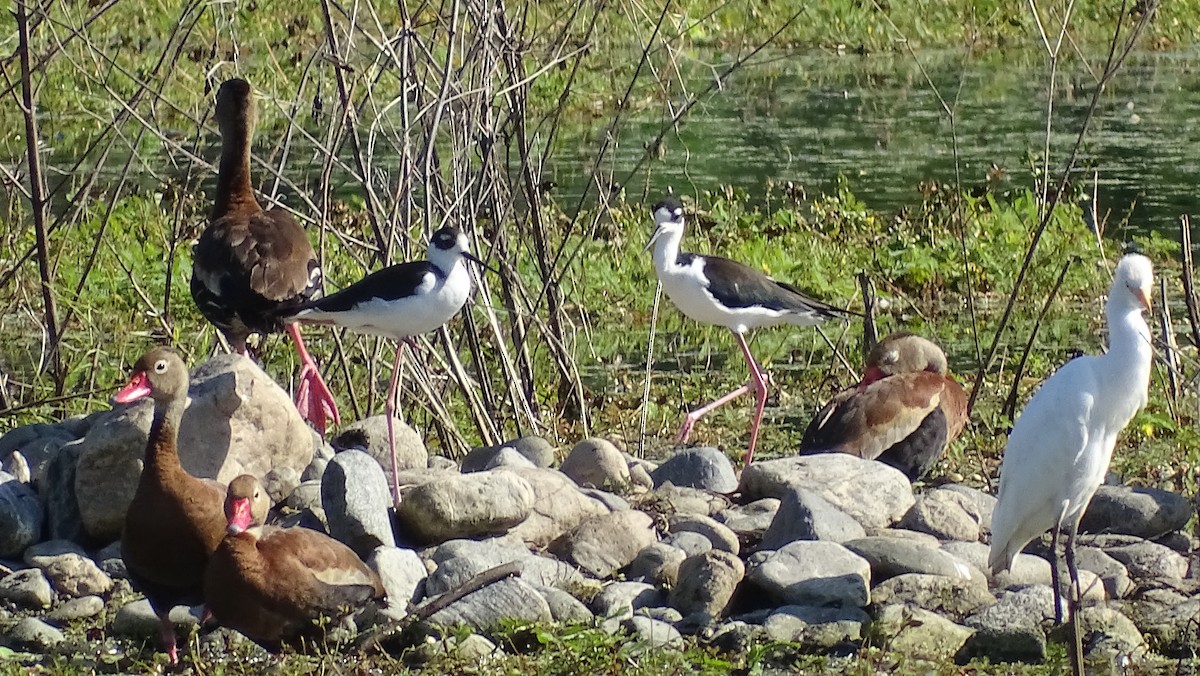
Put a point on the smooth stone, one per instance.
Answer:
(34, 635)
(460, 560)
(68, 568)
(736, 636)
(473, 647)
(1144, 512)
(951, 596)
(812, 572)
(355, 496)
(536, 449)
(655, 633)
(27, 588)
(918, 633)
(1111, 571)
(904, 534)
(984, 503)
(640, 476)
(558, 506)
(946, 515)
(1026, 568)
(804, 515)
(702, 467)
(720, 535)
(507, 457)
(76, 609)
(20, 516)
(841, 479)
(370, 435)
(893, 556)
(751, 519)
(657, 562)
(137, 619)
(706, 583)
(306, 496)
(1112, 636)
(689, 542)
(402, 573)
(686, 500)
(464, 506)
(816, 627)
(604, 544)
(595, 462)
(1150, 561)
(564, 607)
(611, 501)
(508, 600)
(621, 599)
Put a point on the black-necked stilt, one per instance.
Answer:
(250, 267)
(716, 290)
(904, 411)
(400, 302)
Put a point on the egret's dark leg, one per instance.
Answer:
(1055, 583)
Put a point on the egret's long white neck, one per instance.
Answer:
(666, 246)
(1128, 333)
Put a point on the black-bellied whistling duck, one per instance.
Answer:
(270, 583)
(253, 267)
(904, 412)
(399, 302)
(716, 290)
(175, 520)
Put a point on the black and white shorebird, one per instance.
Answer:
(716, 290)
(400, 302)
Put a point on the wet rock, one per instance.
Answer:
(706, 583)
(505, 601)
(603, 544)
(32, 634)
(658, 563)
(816, 627)
(596, 462)
(68, 568)
(718, 534)
(621, 599)
(370, 435)
(1150, 561)
(20, 516)
(536, 449)
(655, 633)
(28, 588)
(812, 573)
(558, 506)
(355, 496)
(804, 515)
(892, 556)
(946, 515)
(841, 479)
(238, 421)
(464, 506)
(76, 609)
(1144, 512)
(919, 633)
(950, 596)
(691, 543)
(702, 467)
(671, 499)
(402, 573)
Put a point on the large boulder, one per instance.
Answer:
(464, 506)
(812, 572)
(875, 494)
(238, 421)
(603, 544)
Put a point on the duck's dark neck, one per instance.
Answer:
(234, 192)
(162, 450)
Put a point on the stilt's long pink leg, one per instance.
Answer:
(313, 398)
(756, 384)
(390, 409)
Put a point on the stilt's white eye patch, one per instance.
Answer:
(160, 366)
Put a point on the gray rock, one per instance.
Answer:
(1169, 627)
(564, 607)
(68, 568)
(558, 506)
(306, 496)
(816, 627)
(621, 599)
(137, 619)
(1179, 541)
(750, 520)
(924, 539)
(892, 556)
(465, 505)
(945, 514)
(655, 633)
(36, 444)
(56, 486)
(355, 496)
(459, 560)
(640, 476)
(720, 535)
(984, 503)
(28, 588)
(658, 563)
(804, 515)
(951, 596)
(1144, 512)
(1111, 571)
(672, 499)
(485, 610)
(20, 516)
(76, 609)
(918, 633)
(33, 635)
(1110, 635)
(736, 636)
(1150, 560)
(702, 467)
(280, 482)
(111, 562)
(596, 462)
(536, 449)
(402, 573)
(812, 572)
(238, 421)
(706, 583)
(371, 435)
(689, 542)
(603, 544)
(1010, 630)
(841, 479)
(669, 615)
(611, 501)
(472, 647)
(1026, 568)
(508, 457)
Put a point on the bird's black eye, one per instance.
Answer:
(160, 366)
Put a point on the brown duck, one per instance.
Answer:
(175, 520)
(271, 583)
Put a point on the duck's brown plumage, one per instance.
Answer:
(270, 583)
(175, 520)
(904, 412)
